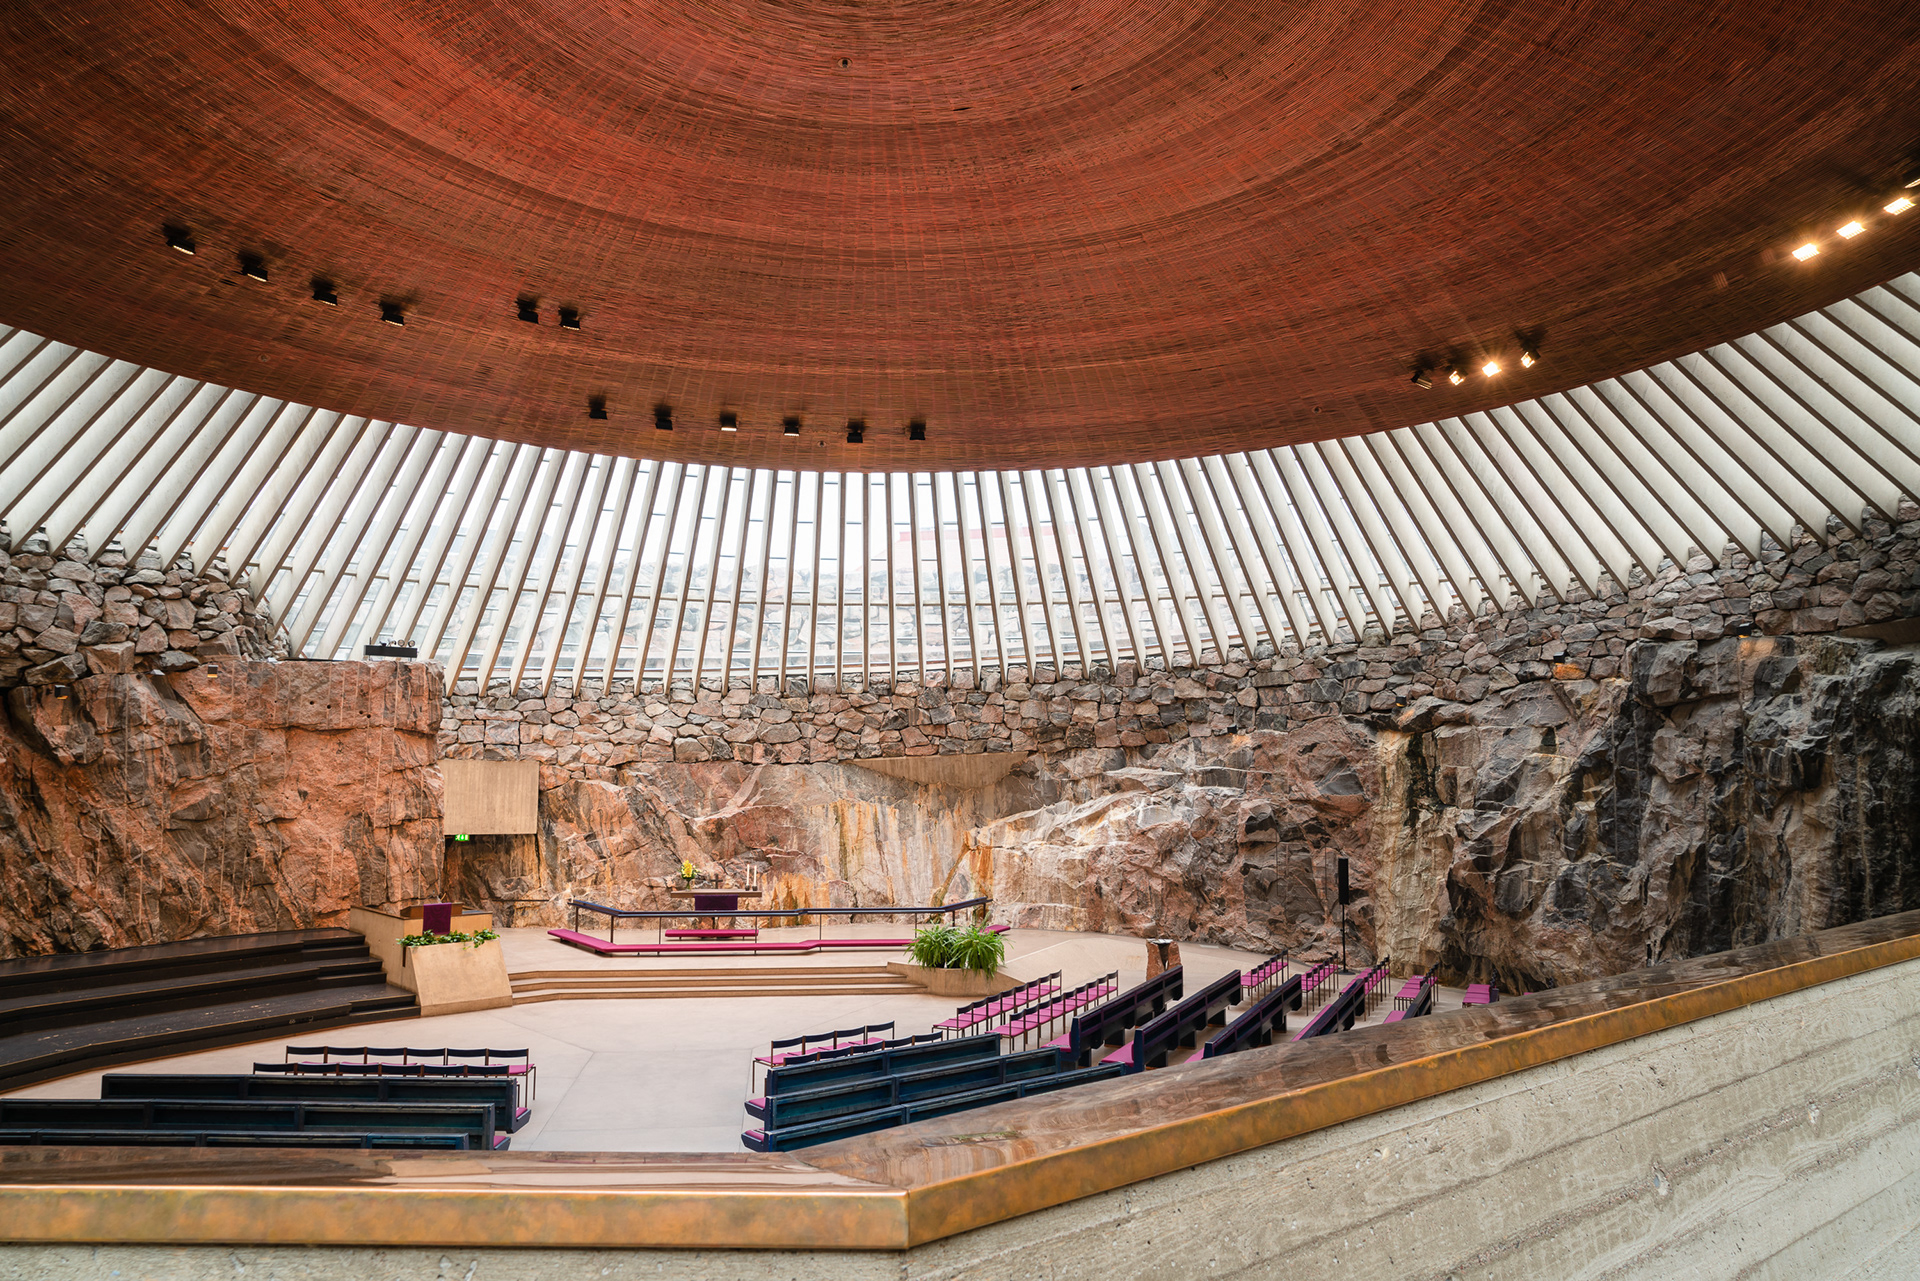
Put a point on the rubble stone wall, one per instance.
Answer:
(1535, 795)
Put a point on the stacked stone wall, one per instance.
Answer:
(1848, 579)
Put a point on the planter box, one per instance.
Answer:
(451, 978)
(970, 983)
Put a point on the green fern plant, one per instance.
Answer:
(933, 946)
(978, 949)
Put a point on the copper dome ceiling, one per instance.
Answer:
(1058, 231)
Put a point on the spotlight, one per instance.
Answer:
(856, 431)
(323, 292)
(1849, 231)
(729, 421)
(1491, 368)
(916, 430)
(569, 318)
(529, 310)
(1421, 378)
(1529, 355)
(180, 238)
(597, 407)
(1899, 204)
(1456, 375)
(790, 426)
(1806, 251)
(662, 418)
(253, 267)
(393, 313)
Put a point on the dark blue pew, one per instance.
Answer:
(1107, 1024)
(191, 1116)
(1257, 1025)
(800, 1136)
(1154, 1039)
(231, 1139)
(781, 1111)
(501, 1091)
(877, 1064)
(1340, 1013)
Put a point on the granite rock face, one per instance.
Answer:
(137, 808)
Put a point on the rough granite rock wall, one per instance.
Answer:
(222, 799)
(1537, 795)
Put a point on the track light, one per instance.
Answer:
(856, 431)
(790, 426)
(1456, 375)
(529, 310)
(393, 313)
(729, 421)
(1806, 251)
(323, 292)
(1850, 230)
(569, 318)
(1421, 378)
(253, 267)
(180, 238)
(597, 407)
(917, 430)
(662, 418)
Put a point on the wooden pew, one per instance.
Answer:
(1107, 1024)
(1340, 1013)
(798, 1107)
(880, 1063)
(800, 1136)
(1154, 1040)
(475, 1120)
(1257, 1025)
(502, 1092)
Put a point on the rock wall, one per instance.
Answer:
(1537, 795)
(1689, 763)
(223, 799)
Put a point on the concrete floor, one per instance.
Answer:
(670, 1075)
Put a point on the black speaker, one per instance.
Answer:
(1341, 881)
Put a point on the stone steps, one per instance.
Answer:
(636, 984)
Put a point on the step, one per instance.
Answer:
(38, 1056)
(714, 972)
(19, 1013)
(74, 971)
(700, 993)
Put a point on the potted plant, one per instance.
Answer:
(954, 961)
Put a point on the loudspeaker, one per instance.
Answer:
(1342, 882)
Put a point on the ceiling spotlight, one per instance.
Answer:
(253, 266)
(1456, 375)
(662, 418)
(529, 310)
(569, 318)
(790, 426)
(856, 431)
(1529, 355)
(1806, 251)
(916, 430)
(393, 313)
(729, 421)
(1899, 204)
(1851, 230)
(1491, 368)
(597, 407)
(1421, 378)
(180, 238)
(323, 292)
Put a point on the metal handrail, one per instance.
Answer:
(618, 914)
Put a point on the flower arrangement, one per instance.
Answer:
(947, 947)
(475, 939)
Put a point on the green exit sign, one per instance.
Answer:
(463, 837)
